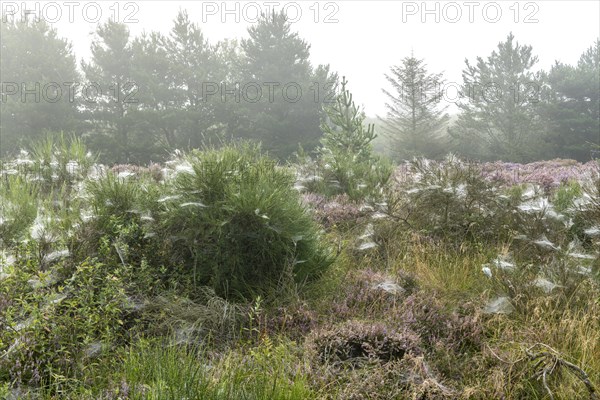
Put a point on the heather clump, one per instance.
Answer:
(372, 359)
(337, 211)
(410, 377)
(355, 341)
(457, 330)
(368, 294)
(294, 320)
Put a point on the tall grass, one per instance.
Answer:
(166, 372)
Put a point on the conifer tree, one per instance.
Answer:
(415, 119)
(109, 109)
(39, 84)
(289, 111)
(574, 109)
(500, 104)
(346, 150)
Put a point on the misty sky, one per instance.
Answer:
(370, 36)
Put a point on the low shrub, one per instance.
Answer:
(337, 211)
(52, 327)
(60, 160)
(360, 359)
(452, 201)
(458, 331)
(408, 378)
(239, 225)
(565, 195)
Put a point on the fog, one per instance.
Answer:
(214, 61)
(362, 39)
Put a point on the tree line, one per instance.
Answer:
(507, 110)
(139, 98)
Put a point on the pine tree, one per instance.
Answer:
(500, 106)
(33, 54)
(190, 63)
(157, 117)
(109, 110)
(415, 120)
(275, 55)
(344, 133)
(346, 151)
(574, 110)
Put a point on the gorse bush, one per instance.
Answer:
(238, 223)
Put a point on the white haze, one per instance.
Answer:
(370, 36)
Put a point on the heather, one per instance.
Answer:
(220, 274)
(551, 173)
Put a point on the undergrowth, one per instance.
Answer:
(213, 278)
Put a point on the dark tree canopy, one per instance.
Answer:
(110, 108)
(138, 98)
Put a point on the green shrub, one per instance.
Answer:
(238, 223)
(61, 159)
(18, 208)
(122, 213)
(566, 194)
(52, 327)
(114, 198)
